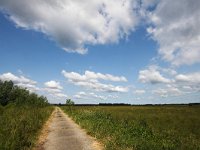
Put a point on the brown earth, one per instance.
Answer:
(61, 133)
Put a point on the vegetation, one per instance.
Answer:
(69, 102)
(141, 127)
(22, 115)
(10, 93)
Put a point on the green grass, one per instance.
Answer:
(20, 125)
(141, 127)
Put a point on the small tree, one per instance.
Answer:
(69, 103)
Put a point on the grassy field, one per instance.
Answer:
(19, 125)
(141, 127)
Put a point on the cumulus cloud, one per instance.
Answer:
(54, 88)
(90, 80)
(20, 81)
(189, 82)
(189, 78)
(53, 85)
(173, 91)
(152, 75)
(175, 27)
(91, 95)
(178, 84)
(93, 75)
(74, 23)
(89, 75)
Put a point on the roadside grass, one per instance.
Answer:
(141, 127)
(20, 125)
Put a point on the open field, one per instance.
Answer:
(140, 127)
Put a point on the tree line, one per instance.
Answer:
(10, 93)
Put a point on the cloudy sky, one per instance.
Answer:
(129, 51)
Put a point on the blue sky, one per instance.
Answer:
(116, 52)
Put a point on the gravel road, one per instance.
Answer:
(61, 133)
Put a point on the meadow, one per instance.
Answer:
(22, 115)
(20, 126)
(140, 127)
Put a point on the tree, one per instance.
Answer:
(69, 102)
(10, 93)
(5, 92)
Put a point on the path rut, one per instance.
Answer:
(61, 133)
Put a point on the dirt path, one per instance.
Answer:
(61, 133)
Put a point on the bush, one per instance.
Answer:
(10, 93)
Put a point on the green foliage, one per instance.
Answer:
(5, 92)
(141, 128)
(9, 93)
(69, 102)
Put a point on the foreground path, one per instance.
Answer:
(61, 133)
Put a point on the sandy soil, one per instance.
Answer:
(61, 133)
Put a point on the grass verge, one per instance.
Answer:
(19, 125)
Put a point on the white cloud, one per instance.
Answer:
(113, 96)
(53, 85)
(16, 79)
(54, 88)
(168, 71)
(152, 75)
(89, 75)
(83, 95)
(90, 80)
(189, 82)
(74, 23)
(173, 91)
(139, 92)
(20, 81)
(177, 85)
(189, 78)
(60, 95)
(93, 75)
(50, 90)
(175, 27)
(91, 95)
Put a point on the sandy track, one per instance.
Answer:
(61, 133)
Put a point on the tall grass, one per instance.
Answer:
(19, 125)
(151, 128)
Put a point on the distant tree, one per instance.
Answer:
(69, 102)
